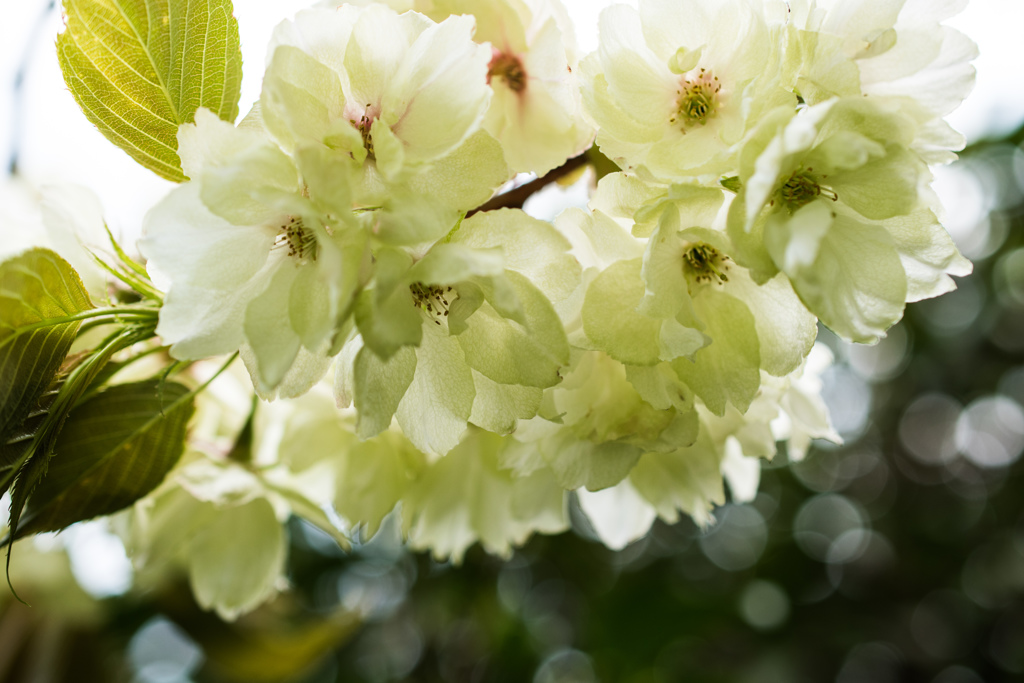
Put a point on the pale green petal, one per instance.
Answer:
(386, 315)
(786, 330)
(410, 219)
(726, 370)
(319, 31)
(302, 435)
(619, 514)
(887, 121)
(766, 152)
(598, 404)
(443, 78)
(162, 525)
(203, 313)
(696, 206)
(435, 409)
(451, 263)
(328, 178)
(939, 85)
(687, 479)
(499, 22)
(928, 255)
(883, 188)
(209, 141)
(470, 298)
(660, 386)
(498, 407)
(597, 239)
(748, 241)
(856, 285)
(467, 177)
(379, 42)
(257, 187)
(309, 306)
(521, 454)
(237, 559)
(678, 340)
(824, 69)
(302, 102)
(388, 323)
(794, 242)
(634, 74)
(502, 296)
(530, 247)
(509, 353)
(842, 151)
(220, 483)
(465, 497)
(611, 319)
(629, 136)
(274, 343)
(540, 126)
(578, 463)
(621, 195)
(379, 387)
(306, 370)
(667, 290)
(388, 149)
(373, 476)
(539, 504)
(742, 473)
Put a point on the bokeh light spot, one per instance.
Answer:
(990, 431)
(764, 605)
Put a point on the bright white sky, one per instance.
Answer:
(58, 145)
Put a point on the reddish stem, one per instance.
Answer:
(517, 196)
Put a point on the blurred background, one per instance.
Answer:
(896, 557)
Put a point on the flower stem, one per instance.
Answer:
(517, 196)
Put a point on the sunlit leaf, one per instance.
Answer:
(37, 289)
(114, 449)
(140, 68)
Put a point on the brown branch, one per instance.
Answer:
(517, 196)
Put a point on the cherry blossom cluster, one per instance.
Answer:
(474, 367)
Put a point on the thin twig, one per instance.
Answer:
(517, 196)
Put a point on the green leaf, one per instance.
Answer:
(37, 290)
(14, 449)
(114, 449)
(140, 68)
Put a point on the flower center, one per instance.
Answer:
(698, 99)
(363, 126)
(802, 188)
(705, 263)
(300, 240)
(434, 300)
(510, 69)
